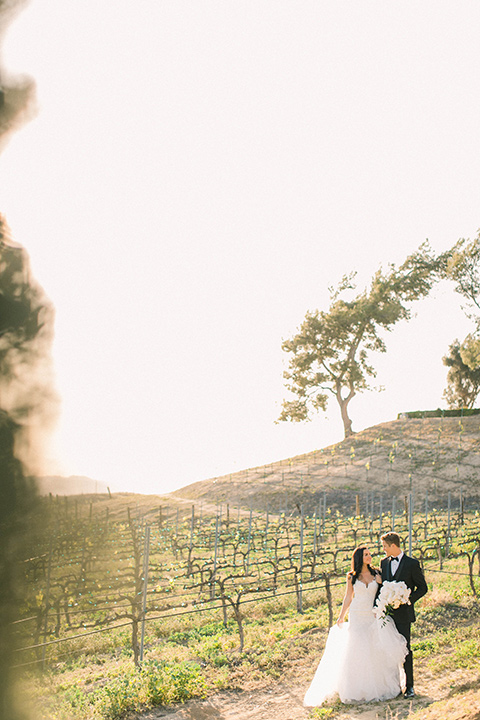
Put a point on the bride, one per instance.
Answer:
(363, 658)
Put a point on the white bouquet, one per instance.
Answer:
(392, 595)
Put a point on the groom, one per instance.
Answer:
(398, 567)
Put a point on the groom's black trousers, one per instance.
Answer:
(404, 628)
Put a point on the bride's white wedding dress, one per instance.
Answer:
(363, 658)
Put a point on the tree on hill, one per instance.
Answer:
(329, 353)
(461, 264)
(463, 382)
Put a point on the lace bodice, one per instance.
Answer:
(361, 607)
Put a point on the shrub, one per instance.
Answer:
(157, 683)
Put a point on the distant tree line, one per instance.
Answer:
(329, 356)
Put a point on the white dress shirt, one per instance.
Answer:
(395, 562)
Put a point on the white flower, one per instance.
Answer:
(392, 595)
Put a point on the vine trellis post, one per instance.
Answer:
(448, 538)
(410, 522)
(300, 592)
(426, 514)
(146, 552)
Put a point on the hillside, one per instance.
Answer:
(73, 485)
(438, 455)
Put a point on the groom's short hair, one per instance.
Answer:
(391, 538)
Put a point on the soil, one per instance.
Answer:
(284, 701)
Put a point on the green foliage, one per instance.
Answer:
(463, 382)
(462, 265)
(212, 651)
(330, 352)
(157, 683)
(470, 351)
(463, 412)
(424, 647)
(210, 629)
(467, 655)
(330, 710)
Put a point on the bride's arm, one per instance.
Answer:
(346, 600)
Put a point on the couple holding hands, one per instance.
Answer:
(369, 657)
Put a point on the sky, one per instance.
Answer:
(197, 174)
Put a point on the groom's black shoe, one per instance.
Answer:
(409, 693)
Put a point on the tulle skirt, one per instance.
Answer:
(361, 662)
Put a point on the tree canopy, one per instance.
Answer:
(462, 265)
(463, 381)
(329, 355)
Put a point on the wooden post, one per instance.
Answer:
(146, 552)
(212, 588)
(324, 510)
(265, 542)
(426, 515)
(249, 541)
(300, 592)
(447, 549)
(380, 521)
(328, 592)
(410, 522)
(192, 524)
(47, 601)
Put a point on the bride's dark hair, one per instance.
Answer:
(357, 564)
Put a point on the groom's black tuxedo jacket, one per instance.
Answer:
(410, 572)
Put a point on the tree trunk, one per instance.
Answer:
(328, 591)
(238, 618)
(347, 423)
(135, 644)
(471, 559)
(298, 591)
(224, 608)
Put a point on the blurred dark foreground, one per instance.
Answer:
(26, 399)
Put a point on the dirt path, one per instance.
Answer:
(284, 702)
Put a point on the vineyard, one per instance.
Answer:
(156, 600)
(99, 576)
